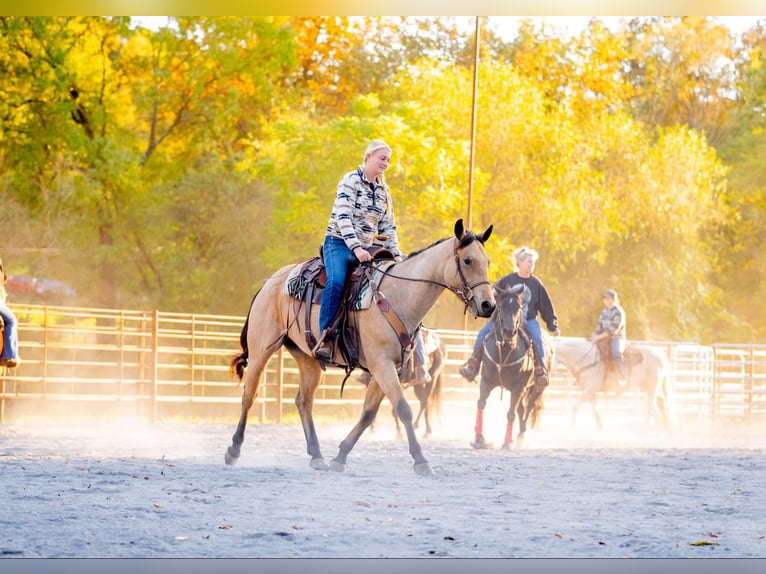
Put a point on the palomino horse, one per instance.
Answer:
(412, 286)
(508, 361)
(428, 394)
(647, 370)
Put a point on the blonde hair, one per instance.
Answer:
(520, 252)
(372, 147)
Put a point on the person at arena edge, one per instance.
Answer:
(540, 303)
(611, 325)
(10, 356)
(362, 214)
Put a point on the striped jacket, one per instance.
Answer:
(363, 213)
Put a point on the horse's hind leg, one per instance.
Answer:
(517, 407)
(423, 393)
(372, 399)
(311, 374)
(252, 380)
(399, 435)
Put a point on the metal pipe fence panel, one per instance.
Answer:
(154, 364)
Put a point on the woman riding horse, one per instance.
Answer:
(385, 334)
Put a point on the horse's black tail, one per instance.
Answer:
(535, 409)
(239, 361)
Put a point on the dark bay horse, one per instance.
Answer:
(508, 361)
(647, 370)
(428, 394)
(411, 287)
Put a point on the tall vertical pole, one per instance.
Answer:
(469, 213)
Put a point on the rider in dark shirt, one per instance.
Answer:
(524, 260)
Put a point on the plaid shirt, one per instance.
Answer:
(363, 213)
(612, 321)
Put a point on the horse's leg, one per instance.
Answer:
(479, 441)
(372, 399)
(252, 379)
(423, 392)
(311, 374)
(404, 410)
(399, 435)
(389, 384)
(516, 407)
(508, 441)
(425, 407)
(664, 406)
(577, 404)
(596, 413)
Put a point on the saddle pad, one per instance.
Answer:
(299, 277)
(295, 285)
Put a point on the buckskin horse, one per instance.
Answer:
(508, 361)
(385, 332)
(647, 371)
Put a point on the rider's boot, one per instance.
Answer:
(541, 375)
(324, 347)
(470, 368)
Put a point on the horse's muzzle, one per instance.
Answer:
(485, 309)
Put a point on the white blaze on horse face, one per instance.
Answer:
(474, 265)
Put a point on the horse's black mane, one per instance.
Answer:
(427, 247)
(467, 239)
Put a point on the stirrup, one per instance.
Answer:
(541, 378)
(468, 370)
(324, 347)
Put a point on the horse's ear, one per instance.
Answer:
(459, 230)
(484, 236)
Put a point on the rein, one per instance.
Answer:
(465, 293)
(407, 340)
(503, 361)
(576, 374)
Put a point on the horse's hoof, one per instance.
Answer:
(337, 466)
(423, 469)
(230, 457)
(319, 464)
(507, 446)
(480, 443)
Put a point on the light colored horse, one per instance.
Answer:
(647, 370)
(412, 286)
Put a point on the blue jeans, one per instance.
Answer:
(483, 332)
(10, 334)
(338, 259)
(533, 328)
(617, 347)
